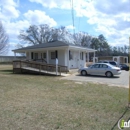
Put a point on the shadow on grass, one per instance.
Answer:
(98, 76)
(9, 71)
(28, 73)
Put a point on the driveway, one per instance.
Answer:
(120, 80)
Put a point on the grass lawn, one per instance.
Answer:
(37, 102)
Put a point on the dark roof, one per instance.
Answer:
(48, 45)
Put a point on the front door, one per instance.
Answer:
(76, 59)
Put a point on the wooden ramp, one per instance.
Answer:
(40, 71)
(40, 68)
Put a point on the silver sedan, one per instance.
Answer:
(100, 69)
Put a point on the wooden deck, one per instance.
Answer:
(40, 68)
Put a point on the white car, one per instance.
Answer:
(105, 69)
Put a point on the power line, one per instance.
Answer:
(1, 8)
(79, 24)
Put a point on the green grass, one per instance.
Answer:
(36, 102)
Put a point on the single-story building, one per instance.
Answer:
(70, 55)
(118, 59)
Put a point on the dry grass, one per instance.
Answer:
(34, 102)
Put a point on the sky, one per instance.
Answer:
(108, 17)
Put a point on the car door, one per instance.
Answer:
(103, 69)
(94, 69)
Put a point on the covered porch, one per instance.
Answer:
(70, 55)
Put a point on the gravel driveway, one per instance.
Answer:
(121, 80)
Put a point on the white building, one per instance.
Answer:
(72, 56)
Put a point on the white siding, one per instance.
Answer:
(83, 62)
(51, 61)
(61, 57)
(27, 55)
(66, 57)
(76, 62)
(73, 63)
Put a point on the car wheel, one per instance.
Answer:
(83, 72)
(109, 74)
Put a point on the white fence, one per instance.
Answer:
(11, 58)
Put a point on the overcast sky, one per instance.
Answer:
(108, 17)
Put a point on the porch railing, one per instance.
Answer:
(41, 67)
(40, 60)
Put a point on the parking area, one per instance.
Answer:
(121, 80)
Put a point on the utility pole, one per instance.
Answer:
(72, 13)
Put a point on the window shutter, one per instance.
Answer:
(41, 56)
(69, 54)
(31, 55)
(56, 52)
(82, 56)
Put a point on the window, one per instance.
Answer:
(81, 56)
(35, 56)
(44, 55)
(53, 55)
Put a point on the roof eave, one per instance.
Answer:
(38, 49)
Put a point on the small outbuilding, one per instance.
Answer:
(118, 59)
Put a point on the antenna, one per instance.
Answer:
(72, 13)
(1, 8)
(79, 24)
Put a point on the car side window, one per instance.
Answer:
(95, 66)
(103, 66)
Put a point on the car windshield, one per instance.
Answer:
(91, 65)
(124, 65)
(111, 65)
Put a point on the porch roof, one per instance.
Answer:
(54, 44)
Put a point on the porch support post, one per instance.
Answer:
(15, 55)
(118, 60)
(88, 57)
(27, 58)
(94, 57)
(126, 59)
(47, 57)
(84, 57)
(79, 60)
(68, 59)
(29, 55)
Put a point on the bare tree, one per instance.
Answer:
(3, 40)
(36, 34)
(83, 39)
(62, 34)
(43, 34)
